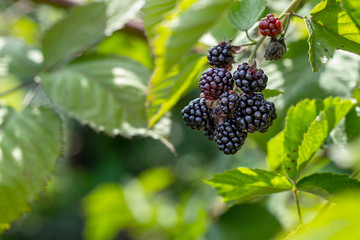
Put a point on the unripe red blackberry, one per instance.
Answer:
(214, 82)
(270, 25)
(220, 55)
(255, 113)
(250, 79)
(229, 137)
(196, 114)
(229, 101)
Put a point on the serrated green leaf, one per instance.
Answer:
(19, 59)
(154, 12)
(268, 93)
(298, 120)
(166, 95)
(184, 25)
(244, 184)
(80, 29)
(244, 14)
(340, 221)
(275, 151)
(326, 185)
(353, 9)
(352, 120)
(334, 110)
(330, 28)
(106, 93)
(28, 155)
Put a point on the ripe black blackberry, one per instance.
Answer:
(220, 55)
(214, 82)
(229, 101)
(209, 131)
(196, 114)
(255, 113)
(229, 137)
(250, 79)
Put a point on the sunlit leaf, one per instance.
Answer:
(339, 222)
(154, 12)
(353, 9)
(275, 152)
(244, 184)
(28, 156)
(166, 95)
(330, 28)
(175, 36)
(326, 185)
(244, 14)
(106, 93)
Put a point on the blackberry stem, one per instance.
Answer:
(296, 196)
(287, 12)
(248, 36)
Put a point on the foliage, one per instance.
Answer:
(73, 64)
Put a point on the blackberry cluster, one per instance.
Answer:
(249, 79)
(270, 25)
(220, 55)
(229, 106)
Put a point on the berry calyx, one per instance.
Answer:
(220, 55)
(270, 25)
(249, 79)
(214, 82)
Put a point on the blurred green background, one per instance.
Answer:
(117, 188)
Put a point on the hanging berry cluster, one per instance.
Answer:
(230, 105)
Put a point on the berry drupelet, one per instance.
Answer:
(249, 79)
(196, 114)
(229, 137)
(220, 55)
(255, 113)
(270, 25)
(214, 82)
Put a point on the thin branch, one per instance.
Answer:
(248, 36)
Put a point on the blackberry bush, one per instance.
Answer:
(229, 137)
(196, 114)
(255, 113)
(270, 25)
(250, 79)
(214, 82)
(220, 55)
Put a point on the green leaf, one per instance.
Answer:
(353, 9)
(118, 13)
(340, 221)
(80, 29)
(326, 185)
(4, 227)
(352, 120)
(19, 59)
(154, 12)
(28, 155)
(244, 14)
(184, 25)
(298, 120)
(244, 184)
(330, 28)
(268, 93)
(307, 125)
(106, 93)
(166, 95)
(334, 110)
(156, 179)
(275, 151)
